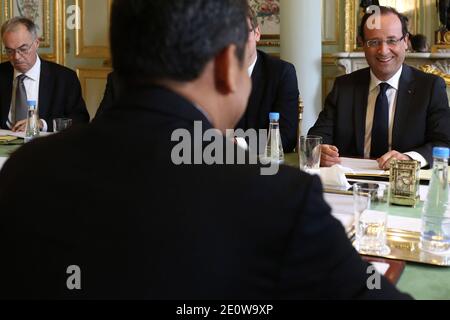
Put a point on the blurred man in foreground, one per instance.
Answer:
(133, 224)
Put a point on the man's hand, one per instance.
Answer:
(329, 155)
(384, 161)
(22, 125)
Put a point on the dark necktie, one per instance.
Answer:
(21, 107)
(380, 124)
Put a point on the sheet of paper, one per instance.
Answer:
(341, 208)
(426, 174)
(20, 134)
(362, 166)
(404, 223)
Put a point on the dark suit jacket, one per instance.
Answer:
(59, 94)
(274, 89)
(421, 121)
(140, 226)
(110, 95)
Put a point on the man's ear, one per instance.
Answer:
(225, 70)
(257, 32)
(405, 40)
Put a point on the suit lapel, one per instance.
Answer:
(360, 107)
(404, 101)
(45, 87)
(6, 85)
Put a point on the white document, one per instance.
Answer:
(404, 223)
(20, 134)
(362, 166)
(341, 208)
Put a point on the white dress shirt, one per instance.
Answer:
(252, 66)
(241, 141)
(31, 83)
(391, 94)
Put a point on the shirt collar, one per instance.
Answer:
(393, 81)
(34, 73)
(252, 66)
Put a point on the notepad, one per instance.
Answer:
(6, 139)
(363, 166)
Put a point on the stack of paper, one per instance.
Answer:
(363, 166)
(7, 139)
(341, 209)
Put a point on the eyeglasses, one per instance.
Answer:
(23, 50)
(375, 43)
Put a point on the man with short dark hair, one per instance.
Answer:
(274, 89)
(56, 89)
(419, 43)
(389, 110)
(140, 226)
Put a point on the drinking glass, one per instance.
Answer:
(370, 208)
(309, 153)
(60, 124)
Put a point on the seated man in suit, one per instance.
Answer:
(142, 226)
(274, 89)
(388, 111)
(55, 88)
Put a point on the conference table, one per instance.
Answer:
(422, 281)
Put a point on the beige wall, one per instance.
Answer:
(422, 14)
(87, 50)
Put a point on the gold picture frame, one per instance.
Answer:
(40, 15)
(46, 14)
(330, 17)
(268, 14)
(353, 14)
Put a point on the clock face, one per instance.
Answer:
(403, 182)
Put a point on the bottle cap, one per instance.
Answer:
(274, 116)
(441, 152)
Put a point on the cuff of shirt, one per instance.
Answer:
(241, 143)
(44, 126)
(418, 157)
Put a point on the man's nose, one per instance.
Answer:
(16, 55)
(383, 48)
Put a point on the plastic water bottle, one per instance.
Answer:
(435, 235)
(32, 128)
(274, 148)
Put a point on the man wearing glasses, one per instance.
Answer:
(55, 88)
(388, 111)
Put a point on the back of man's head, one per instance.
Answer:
(174, 39)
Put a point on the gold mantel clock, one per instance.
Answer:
(404, 181)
